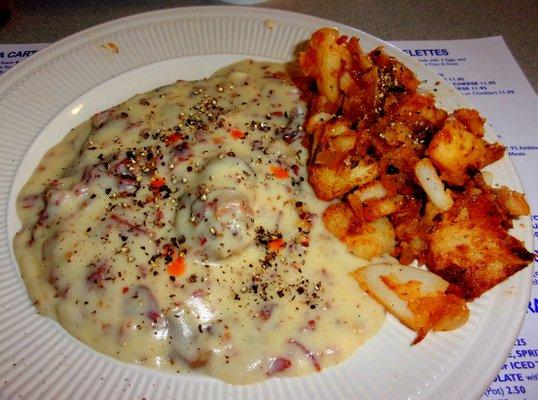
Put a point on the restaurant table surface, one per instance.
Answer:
(517, 21)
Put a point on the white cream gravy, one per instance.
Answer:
(177, 230)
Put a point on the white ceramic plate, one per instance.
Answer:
(59, 87)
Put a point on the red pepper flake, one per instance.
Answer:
(237, 134)
(278, 172)
(125, 289)
(173, 138)
(157, 182)
(176, 267)
(276, 245)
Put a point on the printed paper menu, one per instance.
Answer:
(486, 72)
(12, 54)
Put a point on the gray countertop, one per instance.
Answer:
(517, 21)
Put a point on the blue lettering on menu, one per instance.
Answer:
(426, 52)
(526, 353)
(533, 305)
(509, 378)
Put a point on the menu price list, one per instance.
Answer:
(485, 70)
(517, 373)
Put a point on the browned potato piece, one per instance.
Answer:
(514, 202)
(369, 202)
(329, 183)
(473, 122)
(470, 247)
(324, 59)
(458, 153)
(335, 167)
(364, 239)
